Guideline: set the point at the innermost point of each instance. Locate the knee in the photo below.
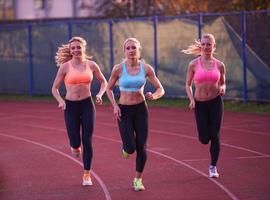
(130, 150)
(204, 140)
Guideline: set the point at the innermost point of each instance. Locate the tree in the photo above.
(137, 8)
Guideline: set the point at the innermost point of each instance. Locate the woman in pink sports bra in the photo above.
(76, 70)
(208, 75)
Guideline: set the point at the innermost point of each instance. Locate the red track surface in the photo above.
(35, 162)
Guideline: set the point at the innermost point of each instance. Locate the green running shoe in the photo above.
(125, 154)
(138, 185)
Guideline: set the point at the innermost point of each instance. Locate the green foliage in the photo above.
(229, 105)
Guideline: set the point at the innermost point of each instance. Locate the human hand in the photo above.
(98, 100)
(62, 105)
(222, 91)
(117, 112)
(192, 104)
(149, 96)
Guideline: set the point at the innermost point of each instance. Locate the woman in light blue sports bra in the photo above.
(131, 110)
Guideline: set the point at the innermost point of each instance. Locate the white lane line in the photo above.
(222, 127)
(168, 157)
(230, 158)
(224, 144)
(101, 183)
(222, 187)
(152, 130)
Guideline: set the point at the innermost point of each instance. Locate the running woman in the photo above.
(208, 75)
(76, 70)
(131, 111)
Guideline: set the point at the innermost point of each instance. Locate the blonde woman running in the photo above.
(77, 72)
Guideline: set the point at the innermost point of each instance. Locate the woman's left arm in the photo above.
(150, 74)
(103, 83)
(222, 81)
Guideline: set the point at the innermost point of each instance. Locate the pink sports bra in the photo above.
(206, 76)
(74, 76)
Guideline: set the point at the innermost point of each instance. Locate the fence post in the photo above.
(244, 56)
(111, 43)
(155, 21)
(74, 9)
(200, 25)
(69, 30)
(30, 60)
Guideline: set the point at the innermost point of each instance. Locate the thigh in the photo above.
(72, 121)
(126, 127)
(216, 115)
(141, 126)
(202, 121)
(88, 118)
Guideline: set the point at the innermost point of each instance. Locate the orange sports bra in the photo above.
(74, 77)
(203, 75)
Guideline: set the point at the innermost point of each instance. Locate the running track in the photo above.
(35, 162)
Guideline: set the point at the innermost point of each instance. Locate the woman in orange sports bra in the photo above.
(76, 70)
(208, 75)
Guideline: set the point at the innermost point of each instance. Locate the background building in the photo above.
(40, 9)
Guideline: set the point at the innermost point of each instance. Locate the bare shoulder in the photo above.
(93, 65)
(63, 68)
(220, 65)
(117, 69)
(192, 64)
(148, 68)
(194, 61)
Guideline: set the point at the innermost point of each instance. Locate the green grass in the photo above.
(229, 105)
(234, 106)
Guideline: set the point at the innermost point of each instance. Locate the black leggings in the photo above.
(81, 115)
(208, 117)
(133, 128)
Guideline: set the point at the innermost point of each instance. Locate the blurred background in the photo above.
(32, 30)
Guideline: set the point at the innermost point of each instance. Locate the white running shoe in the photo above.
(213, 173)
(87, 180)
(76, 152)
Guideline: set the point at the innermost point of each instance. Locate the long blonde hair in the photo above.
(195, 49)
(63, 53)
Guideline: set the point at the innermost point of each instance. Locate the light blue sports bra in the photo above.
(132, 83)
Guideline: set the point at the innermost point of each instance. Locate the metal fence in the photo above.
(27, 50)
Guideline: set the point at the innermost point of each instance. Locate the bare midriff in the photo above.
(131, 98)
(206, 91)
(78, 92)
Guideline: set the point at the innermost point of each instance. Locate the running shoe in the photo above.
(125, 154)
(87, 180)
(213, 173)
(76, 152)
(138, 185)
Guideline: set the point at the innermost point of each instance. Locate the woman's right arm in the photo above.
(56, 85)
(109, 90)
(189, 80)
